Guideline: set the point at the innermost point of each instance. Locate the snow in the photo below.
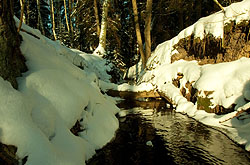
(99, 51)
(212, 24)
(227, 80)
(126, 87)
(52, 96)
(228, 83)
(55, 93)
(149, 143)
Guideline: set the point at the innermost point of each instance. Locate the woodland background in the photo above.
(77, 23)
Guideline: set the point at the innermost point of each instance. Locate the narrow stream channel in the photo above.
(158, 135)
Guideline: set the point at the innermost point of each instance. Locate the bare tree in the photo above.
(138, 33)
(28, 12)
(40, 22)
(104, 24)
(147, 31)
(70, 17)
(97, 18)
(66, 15)
(52, 14)
(71, 35)
(21, 16)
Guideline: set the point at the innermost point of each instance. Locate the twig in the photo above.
(236, 115)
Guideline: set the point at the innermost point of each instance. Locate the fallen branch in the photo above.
(30, 34)
(236, 115)
(133, 95)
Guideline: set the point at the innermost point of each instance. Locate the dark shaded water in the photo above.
(176, 139)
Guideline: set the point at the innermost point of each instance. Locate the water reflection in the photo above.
(176, 139)
(191, 142)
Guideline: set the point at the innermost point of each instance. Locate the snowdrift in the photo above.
(53, 95)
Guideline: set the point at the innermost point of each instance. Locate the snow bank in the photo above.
(126, 87)
(212, 24)
(229, 83)
(90, 62)
(52, 96)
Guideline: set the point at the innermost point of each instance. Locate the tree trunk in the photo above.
(52, 14)
(138, 33)
(22, 4)
(70, 18)
(40, 21)
(21, 15)
(147, 30)
(66, 15)
(97, 18)
(71, 24)
(104, 24)
(12, 63)
(180, 11)
(58, 20)
(28, 12)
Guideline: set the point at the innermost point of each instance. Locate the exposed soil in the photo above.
(210, 50)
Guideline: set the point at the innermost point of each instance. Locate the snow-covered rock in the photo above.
(53, 95)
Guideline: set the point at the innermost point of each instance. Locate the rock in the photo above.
(209, 50)
(8, 154)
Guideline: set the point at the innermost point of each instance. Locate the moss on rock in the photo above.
(204, 104)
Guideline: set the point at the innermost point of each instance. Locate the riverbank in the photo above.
(160, 136)
(202, 78)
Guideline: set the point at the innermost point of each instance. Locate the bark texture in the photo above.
(147, 30)
(97, 18)
(40, 21)
(12, 63)
(138, 33)
(71, 35)
(21, 15)
(66, 15)
(104, 25)
(52, 13)
(133, 95)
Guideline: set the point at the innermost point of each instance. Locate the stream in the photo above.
(151, 133)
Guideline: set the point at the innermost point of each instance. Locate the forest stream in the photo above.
(155, 134)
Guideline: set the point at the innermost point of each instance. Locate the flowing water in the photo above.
(160, 136)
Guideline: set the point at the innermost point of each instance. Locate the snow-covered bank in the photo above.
(53, 95)
(225, 84)
(126, 87)
(229, 86)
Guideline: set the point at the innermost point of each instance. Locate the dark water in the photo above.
(176, 139)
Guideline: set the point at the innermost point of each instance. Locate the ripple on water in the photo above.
(176, 139)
